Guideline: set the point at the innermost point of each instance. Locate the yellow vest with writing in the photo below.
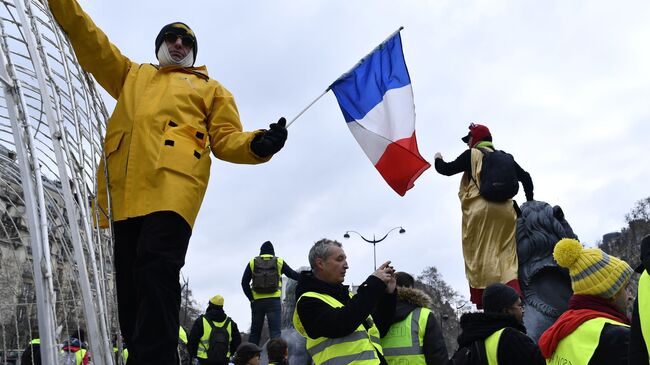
(578, 347)
(358, 348)
(403, 344)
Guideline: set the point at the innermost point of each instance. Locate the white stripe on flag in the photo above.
(389, 121)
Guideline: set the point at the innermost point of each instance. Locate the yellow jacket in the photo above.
(165, 123)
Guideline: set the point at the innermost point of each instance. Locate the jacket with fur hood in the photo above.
(408, 299)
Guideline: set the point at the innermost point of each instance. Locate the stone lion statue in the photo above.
(546, 286)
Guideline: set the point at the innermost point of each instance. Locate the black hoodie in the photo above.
(321, 320)
(514, 348)
(213, 313)
(408, 299)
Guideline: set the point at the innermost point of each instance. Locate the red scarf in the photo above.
(581, 309)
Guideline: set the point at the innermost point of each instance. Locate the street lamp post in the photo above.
(374, 241)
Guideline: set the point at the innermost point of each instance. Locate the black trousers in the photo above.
(149, 254)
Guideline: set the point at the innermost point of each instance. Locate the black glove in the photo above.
(529, 197)
(271, 140)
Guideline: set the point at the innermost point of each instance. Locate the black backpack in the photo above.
(218, 343)
(499, 180)
(265, 275)
(472, 354)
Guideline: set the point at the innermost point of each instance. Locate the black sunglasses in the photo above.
(185, 39)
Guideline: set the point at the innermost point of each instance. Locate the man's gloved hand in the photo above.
(271, 140)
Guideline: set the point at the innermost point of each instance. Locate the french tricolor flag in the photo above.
(376, 99)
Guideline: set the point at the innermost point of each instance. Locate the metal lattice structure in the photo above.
(55, 265)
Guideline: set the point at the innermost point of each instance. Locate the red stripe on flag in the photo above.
(401, 164)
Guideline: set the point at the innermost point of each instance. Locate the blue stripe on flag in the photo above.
(361, 89)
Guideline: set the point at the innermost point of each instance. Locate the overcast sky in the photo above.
(563, 86)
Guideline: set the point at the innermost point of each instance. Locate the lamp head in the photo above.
(402, 230)
(346, 235)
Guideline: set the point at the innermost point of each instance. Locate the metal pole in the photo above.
(374, 250)
(308, 106)
(374, 255)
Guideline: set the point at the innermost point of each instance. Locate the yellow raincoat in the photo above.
(489, 246)
(166, 121)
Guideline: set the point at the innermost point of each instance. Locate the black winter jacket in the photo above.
(213, 313)
(321, 320)
(515, 347)
(408, 299)
(463, 163)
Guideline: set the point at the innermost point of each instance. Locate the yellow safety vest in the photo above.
(644, 308)
(79, 355)
(580, 345)
(204, 344)
(125, 353)
(182, 335)
(278, 292)
(492, 347)
(403, 344)
(358, 348)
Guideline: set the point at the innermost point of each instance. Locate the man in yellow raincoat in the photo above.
(167, 119)
(489, 246)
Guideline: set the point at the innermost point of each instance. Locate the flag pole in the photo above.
(350, 70)
(308, 106)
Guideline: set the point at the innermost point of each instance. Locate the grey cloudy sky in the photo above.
(564, 86)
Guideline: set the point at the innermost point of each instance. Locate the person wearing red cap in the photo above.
(489, 247)
(168, 119)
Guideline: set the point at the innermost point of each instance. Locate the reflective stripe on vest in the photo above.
(580, 345)
(278, 292)
(359, 347)
(36, 341)
(644, 308)
(492, 346)
(404, 340)
(204, 343)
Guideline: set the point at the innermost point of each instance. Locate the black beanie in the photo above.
(267, 248)
(179, 29)
(497, 297)
(645, 254)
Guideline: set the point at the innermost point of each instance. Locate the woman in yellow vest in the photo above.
(595, 329)
(338, 326)
(640, 329)
(498, 335)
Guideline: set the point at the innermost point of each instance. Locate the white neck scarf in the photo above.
(166, 59)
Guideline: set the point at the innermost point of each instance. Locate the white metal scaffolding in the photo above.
(51, 254)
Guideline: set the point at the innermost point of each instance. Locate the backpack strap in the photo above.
(483, 150)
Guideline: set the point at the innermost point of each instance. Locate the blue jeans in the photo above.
(272, 308)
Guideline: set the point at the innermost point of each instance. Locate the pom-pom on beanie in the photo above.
(592, 271)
